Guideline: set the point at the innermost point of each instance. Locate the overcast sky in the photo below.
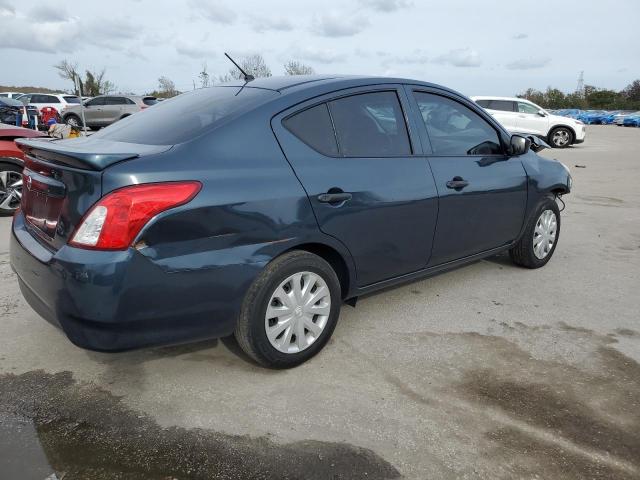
(475, 46)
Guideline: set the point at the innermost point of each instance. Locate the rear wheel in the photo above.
(290, 310)
(560, 137)
(540, 238)
(10, 188)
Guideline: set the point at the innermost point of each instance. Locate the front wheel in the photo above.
(73, 121)
(560, 137)
(290, 310)
(539, 241)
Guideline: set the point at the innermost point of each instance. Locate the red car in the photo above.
(11, 163)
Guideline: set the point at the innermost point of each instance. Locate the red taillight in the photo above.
(115, 221)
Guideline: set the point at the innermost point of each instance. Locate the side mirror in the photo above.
(542, 113)
(519, 145)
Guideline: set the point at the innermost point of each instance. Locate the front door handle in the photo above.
(334, 198)
(457, 183)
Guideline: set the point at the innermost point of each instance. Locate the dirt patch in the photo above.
(86, 432)
(576, 419)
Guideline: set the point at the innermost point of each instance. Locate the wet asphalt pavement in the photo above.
(490, 371)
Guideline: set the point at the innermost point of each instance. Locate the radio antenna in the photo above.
(247, 77)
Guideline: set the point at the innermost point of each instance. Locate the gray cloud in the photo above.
(312, 54)
(46, 38)
(528, 63)
(262, 24)
(417, 57)
(334, 25)
(213, 11)
(194, 51)
(461, 57)
(520, 36)
(6, 9)
(386, 5)
(48, 13)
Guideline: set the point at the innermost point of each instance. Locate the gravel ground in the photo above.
(490, 371)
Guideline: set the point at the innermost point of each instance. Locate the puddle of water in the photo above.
(80, 431)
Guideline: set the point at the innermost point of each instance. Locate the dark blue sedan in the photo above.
(257, 209)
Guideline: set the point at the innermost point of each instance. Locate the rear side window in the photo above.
(455, 129)
(370, 125)
(72, 99)
(501, 105)
(186, 116)
(313, 127)
(45, 99)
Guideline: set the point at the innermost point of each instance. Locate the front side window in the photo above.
(95, 102)
(313, 127)
(370, 125)
(455, 129)
(114, 101)
(527, 108)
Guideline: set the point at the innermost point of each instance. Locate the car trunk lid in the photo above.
(63, 179)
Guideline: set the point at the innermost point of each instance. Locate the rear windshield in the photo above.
(186, 116)
(71, 99)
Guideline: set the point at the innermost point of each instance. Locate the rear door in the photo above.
(504, 111)
(366, 184)
(482, 191)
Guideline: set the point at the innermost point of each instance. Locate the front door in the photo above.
(366, 186)
(530, 120)
(482, 191)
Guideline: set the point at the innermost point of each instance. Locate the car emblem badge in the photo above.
(28, 182)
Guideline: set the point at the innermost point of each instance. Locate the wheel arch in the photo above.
(562, 125)
(334, 258)
(12, 161)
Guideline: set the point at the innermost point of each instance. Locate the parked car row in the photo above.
(601, 117)
(104, 110)
(523, 116)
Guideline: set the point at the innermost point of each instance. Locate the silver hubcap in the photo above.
(298, 312)
(544, 235)
(10, 190)
(561, 137)
(73, 122)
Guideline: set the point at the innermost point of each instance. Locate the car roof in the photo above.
(491, 97)
(324, 83)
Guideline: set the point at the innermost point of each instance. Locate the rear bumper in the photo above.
(114, 301)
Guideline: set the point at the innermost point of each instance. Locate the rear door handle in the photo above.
(334, 197)
(457, 183)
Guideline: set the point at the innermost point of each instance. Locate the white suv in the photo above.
(520, 115)
(58, 101)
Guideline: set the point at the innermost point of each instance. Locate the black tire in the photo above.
(556, 137)
(250, 331)
(522, 253)
(15, 171)
(73, 120)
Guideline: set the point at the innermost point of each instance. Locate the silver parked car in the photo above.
(103, 110)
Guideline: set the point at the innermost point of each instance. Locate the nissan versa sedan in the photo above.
(257, 209)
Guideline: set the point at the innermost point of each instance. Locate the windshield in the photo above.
(186, 116)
